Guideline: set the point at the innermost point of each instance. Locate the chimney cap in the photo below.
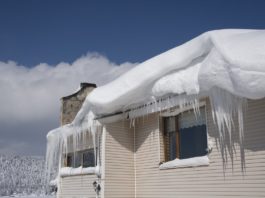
(82, 86)
(85, 84)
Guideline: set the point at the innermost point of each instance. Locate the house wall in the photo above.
(131, 166)
(118, 177)
(78, 186)
(216, 180)
(119, 174)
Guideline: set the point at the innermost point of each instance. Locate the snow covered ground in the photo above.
(20, 175)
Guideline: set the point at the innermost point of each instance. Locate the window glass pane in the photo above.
(193, 135)
(77, 157)
(193, 142)
(88, 158)
(69, 160)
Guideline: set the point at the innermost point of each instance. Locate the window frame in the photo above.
(176, 112)
(166, 135)
(73, 155)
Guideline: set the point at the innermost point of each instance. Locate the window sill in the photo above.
(69, 171)
(190, 162)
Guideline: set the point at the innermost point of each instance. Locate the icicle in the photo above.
(132, 122)
(158, 139)
(156, 105)
(225, 107)
(72, 138)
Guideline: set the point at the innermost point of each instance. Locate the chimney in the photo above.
(70, 105)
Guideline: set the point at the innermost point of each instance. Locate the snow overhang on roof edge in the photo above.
(232, 60)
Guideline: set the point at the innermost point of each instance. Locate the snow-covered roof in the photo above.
(225, 65)
(231, 59)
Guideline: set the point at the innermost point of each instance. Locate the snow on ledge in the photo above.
(69, 171)
(190, 162)
(54, 182)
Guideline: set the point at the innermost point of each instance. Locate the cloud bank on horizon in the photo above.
(29, 102)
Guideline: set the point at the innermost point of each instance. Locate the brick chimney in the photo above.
(70, 105)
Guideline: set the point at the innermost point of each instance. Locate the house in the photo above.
(186, 123)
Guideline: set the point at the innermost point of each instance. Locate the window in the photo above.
(80, 158)
(185, 135)
(69, 160)
(88, 158)
(77, 159)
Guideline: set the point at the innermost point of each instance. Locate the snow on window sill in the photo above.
(190, 162)
(69, 171)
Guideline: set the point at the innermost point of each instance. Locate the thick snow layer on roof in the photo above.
(232, 59)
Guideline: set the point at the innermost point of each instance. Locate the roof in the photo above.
(230, 59)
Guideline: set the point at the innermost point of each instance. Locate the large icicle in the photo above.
(71, 138)
(226, 107)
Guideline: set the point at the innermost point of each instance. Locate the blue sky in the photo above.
(48, 47)
(34, 31)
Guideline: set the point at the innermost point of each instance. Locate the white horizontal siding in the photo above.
(215, 180)
(77, 187)
(119, 161)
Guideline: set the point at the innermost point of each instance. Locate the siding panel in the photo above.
(216, 180)
(119, 161)
(77, 187)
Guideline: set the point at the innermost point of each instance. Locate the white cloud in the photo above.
(29, 99)
(29, 94)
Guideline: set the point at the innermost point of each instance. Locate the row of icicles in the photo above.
(72, 137)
